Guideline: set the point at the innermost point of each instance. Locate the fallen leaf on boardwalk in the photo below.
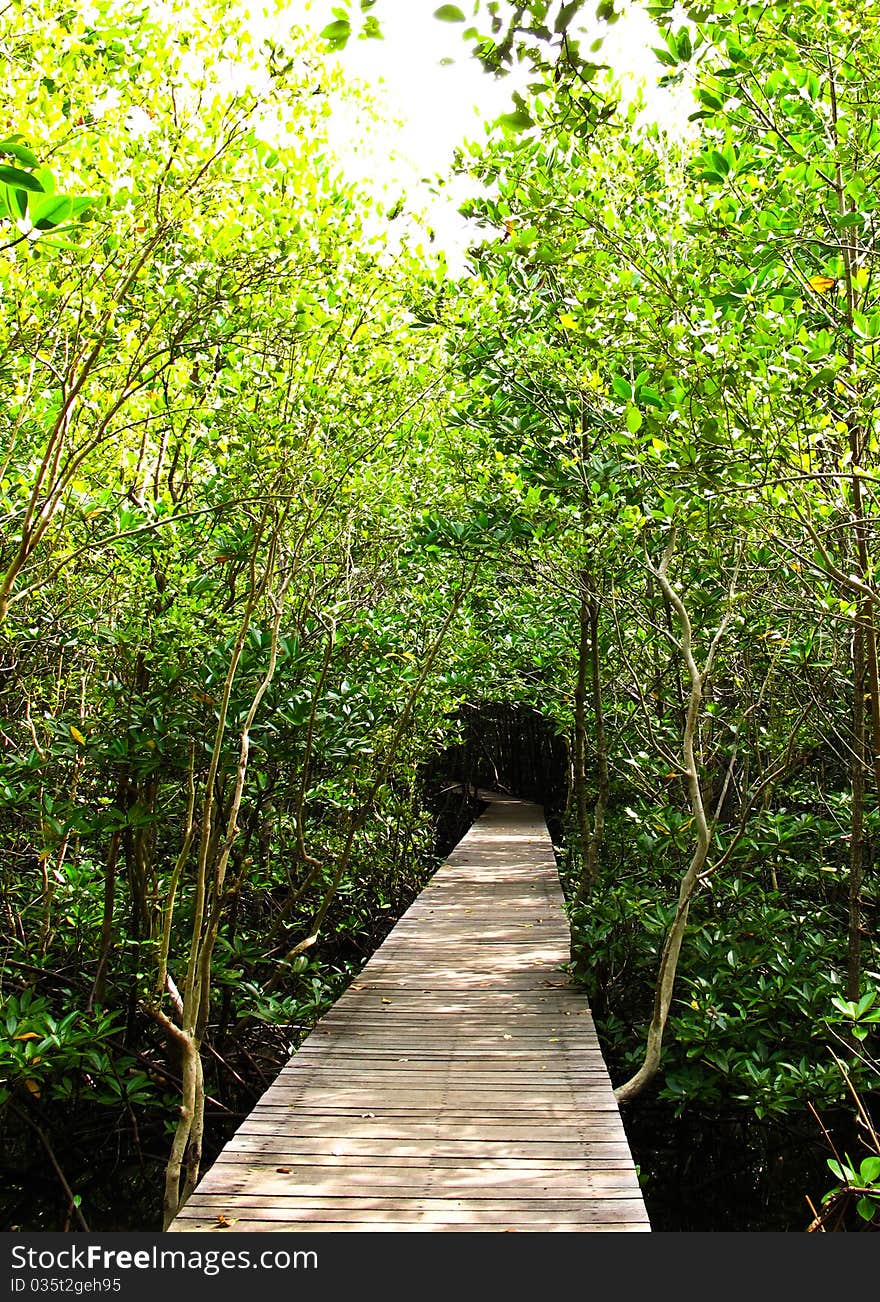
(554, 1039)
(283, 1170)
(224, 1221)
(386, 1001)
(507, 1037)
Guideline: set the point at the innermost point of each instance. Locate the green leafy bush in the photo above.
(751, 1021)
(65, 1058)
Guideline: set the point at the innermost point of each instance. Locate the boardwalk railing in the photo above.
(456, 1085)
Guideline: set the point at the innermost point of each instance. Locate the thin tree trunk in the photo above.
(580, 738)
(105, 944)
(857, 819)
(593, 829)
(675, 933)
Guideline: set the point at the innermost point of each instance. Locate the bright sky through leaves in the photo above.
(432, 94)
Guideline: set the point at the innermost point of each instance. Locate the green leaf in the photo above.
(21, 180)
(825, 376)
(21, 152)
(13, 201)
(622, 387)
(869, 1171)
(55, 209)
(866, 1002)
(634, 420)
(842, 1172)
(565, 15)
(650, 397)
(449, 14)
(519, 121)
(867, 1208)
(46, 179)
(337, 33)
(671, 45)
(862, 326)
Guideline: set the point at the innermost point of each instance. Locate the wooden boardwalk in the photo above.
(456, 1085)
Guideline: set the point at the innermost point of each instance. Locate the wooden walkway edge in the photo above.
(457, 1085)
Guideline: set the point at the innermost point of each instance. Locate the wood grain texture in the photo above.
(457, 1084)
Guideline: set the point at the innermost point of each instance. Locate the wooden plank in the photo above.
(551, 1048)
(469, 1070)
(350, 1182)
(466, 1074)
(457, 1084)
(283, 1122)
(472, 1025)
(476, 1156)
(462, 1212)
(385, 1226)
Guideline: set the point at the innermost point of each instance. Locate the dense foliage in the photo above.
(279, 496)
